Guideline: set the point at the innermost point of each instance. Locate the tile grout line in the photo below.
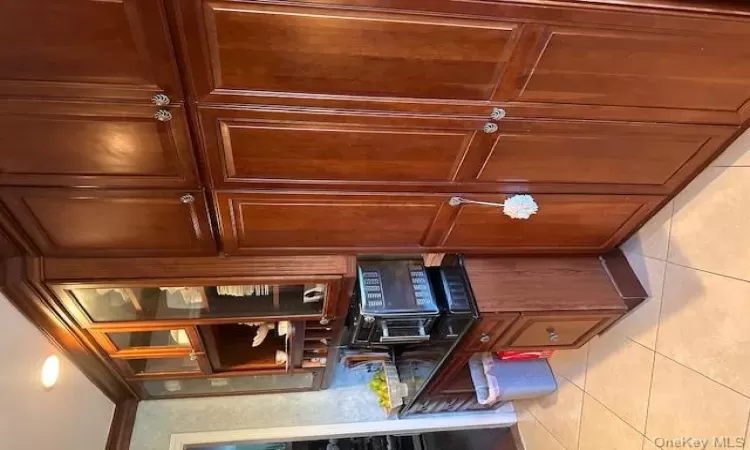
(614, 414)
(707, 271)
(539, 422)
(703, 375)
(658, 320)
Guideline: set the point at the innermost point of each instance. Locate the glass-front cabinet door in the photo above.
(131, 304)
(172, 340)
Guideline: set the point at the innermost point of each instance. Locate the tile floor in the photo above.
(679, 366)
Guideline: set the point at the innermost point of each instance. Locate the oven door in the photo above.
(403, 330)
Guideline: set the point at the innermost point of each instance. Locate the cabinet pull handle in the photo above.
(324, 321)
(187, 198)
(490, 128)
(497, 113)
(193, 356)
(163, 115)
(485, 338)
(516, 206)
(553, 336)
(160, 99)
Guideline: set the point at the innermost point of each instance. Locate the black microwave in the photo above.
(404, 302)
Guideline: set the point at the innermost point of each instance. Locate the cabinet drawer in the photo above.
(556, 330)
(89, 222)
(483, 336)
(94, 144)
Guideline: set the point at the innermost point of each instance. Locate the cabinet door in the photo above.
(264, 146)
(680, 72)
(250, 48)
(86, 222)
(77, 144)
(563, 223)
(252, 222)
(110, 49)
(661, 156)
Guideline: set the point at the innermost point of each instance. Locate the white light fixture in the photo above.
(50, 371)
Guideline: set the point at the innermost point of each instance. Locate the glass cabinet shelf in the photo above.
(124, 304)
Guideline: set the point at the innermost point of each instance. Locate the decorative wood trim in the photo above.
(90, 270)
(123, 421)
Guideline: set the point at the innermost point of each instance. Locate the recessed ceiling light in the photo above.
(50, 371)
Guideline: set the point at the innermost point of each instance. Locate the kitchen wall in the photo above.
(74, 415)
(679, 366)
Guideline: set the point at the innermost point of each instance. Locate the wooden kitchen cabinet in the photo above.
(259, 221)
(540, 303)
(314, 51)
(263, 146)
(256, 222)
(99, 222)
(87, 49)
(95, 144)
(614, 63)
(586, 153)
(200, 338)
(564, 223)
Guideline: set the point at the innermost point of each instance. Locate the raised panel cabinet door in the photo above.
(262, 146)
(87, 48)
(563, 223)
(88, 222)
(680, 72)
(94, 144)
(247, 48)
(258, 222)
(658, 156)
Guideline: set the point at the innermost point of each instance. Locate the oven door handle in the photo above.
(421, 337)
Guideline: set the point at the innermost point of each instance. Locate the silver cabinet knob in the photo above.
(324, 321)
(490, 128)
(160, 100)
(187, 198)
(193, 357)
(497, 113)
(485, 338)
(163, 115)
(553, 336)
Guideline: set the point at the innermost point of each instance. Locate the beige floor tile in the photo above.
(601, 429)
(653, 237)
(704, 325)
(686, 404)
(619, 376)
(709, 226)
(571, 364)
(560, 412)
(534, 436)
(737, 154)
(641, 325)
(746, 441)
